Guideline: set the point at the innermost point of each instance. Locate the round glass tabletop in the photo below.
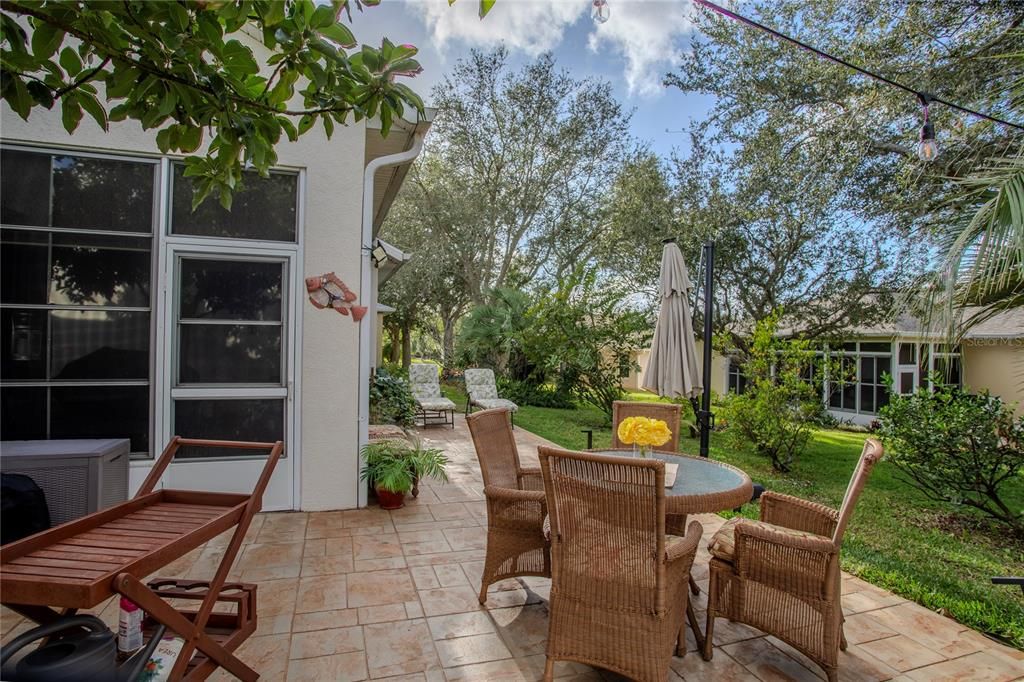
(701, 485)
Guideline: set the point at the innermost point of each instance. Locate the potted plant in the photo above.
(426, 463)
(392, 467)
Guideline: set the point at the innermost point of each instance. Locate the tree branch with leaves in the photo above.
(183, 68)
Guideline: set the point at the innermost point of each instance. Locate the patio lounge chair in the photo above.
(432, 406)
(618, 581)
(515, 503)
(482, 392)
(781, 574)
(675, 524)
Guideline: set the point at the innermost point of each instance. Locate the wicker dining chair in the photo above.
(516, 545)
(667, 412)
(671, 414)
(618, 584)
(781, 574)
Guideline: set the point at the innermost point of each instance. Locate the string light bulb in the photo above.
(927, 148)
(601, 12)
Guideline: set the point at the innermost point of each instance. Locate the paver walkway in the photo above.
(367, 593)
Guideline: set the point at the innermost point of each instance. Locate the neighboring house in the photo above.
(125, 314)
(991, 357)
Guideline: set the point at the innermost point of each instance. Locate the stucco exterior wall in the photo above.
(330, 342)
(996, 365)
(326, 395)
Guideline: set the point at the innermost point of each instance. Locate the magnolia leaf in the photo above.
(485, 7)
(225, 198)
(323, 16)
(275, 12)
(306, 122)
(340, 34)
(70, 61)
(178, 14)
(93, 107)
(238, 58)
(17, 95)
(289, 128)
(70, 112)
(46, 38)
(191, 138)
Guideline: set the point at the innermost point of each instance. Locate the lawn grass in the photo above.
(899, 540)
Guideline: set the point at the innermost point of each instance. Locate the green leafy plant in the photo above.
(395, 465)
(427, 462)
(391, 400)
(777, 411)
(581, 333)
(957, 447)
(530, 393)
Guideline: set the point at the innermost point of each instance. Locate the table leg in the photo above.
(162, 612)
(691, 616)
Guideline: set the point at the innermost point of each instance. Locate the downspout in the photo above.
(368, 324)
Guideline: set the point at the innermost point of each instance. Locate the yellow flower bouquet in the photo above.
(644, 433)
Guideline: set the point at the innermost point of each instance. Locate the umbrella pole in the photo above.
(705, 419)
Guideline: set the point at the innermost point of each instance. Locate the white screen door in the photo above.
(229, 368)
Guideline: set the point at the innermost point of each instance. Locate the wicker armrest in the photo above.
(520, 510)
(797, 514)
(798, 564)
(684, 546)
(513, 495)
(531, 479)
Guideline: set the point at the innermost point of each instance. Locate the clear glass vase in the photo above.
(641, 451)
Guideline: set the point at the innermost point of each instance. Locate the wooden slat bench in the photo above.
(79, 564)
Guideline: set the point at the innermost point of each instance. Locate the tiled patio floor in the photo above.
(366, 593)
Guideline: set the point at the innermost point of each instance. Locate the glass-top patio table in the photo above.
(702, 485)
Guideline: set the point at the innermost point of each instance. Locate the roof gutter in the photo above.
(369, 296)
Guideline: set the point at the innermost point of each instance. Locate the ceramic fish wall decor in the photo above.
(328, 291)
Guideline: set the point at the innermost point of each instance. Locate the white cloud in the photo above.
(531, 26)
(647, 35)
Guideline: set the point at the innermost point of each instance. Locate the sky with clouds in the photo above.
(643, 40)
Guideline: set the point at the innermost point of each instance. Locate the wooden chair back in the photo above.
(869, 456)
(666, 412)
(607, 518)
(495, 447)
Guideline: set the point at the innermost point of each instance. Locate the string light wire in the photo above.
(838, 60)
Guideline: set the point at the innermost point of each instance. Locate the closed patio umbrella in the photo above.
(673, 371)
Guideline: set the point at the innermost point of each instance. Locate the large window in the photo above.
(266, 209)
(75, 296)
(873, 393)
(737, 380)
(860, 384)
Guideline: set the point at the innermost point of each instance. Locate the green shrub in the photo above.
(526, 393)
(777, 411)
(958, 448)
(394, 369)
(391, 400)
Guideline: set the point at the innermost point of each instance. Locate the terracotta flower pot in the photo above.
(390, 500)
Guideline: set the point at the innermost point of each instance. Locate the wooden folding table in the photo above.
(79, 564)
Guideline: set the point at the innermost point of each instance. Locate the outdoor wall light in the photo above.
(378, 255)
(927, 148)
(601, 12)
